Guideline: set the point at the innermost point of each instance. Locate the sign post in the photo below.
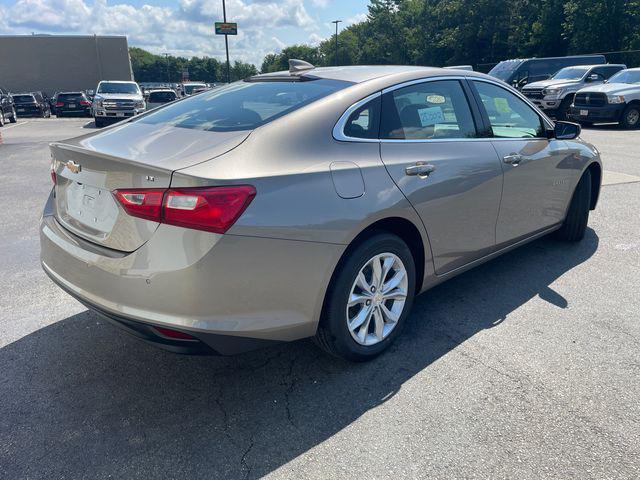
(226, 29)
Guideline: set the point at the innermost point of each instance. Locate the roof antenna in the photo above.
(298, 66)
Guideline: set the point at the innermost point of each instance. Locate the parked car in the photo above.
(555, 95)
(519, 72)
(160, 97)
(72, 104)
(232, 220)
(618, 100)
(7, 108)
(31, 104)
(189, 87)
(116, 100)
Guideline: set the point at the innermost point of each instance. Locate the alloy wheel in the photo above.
(633, 117)
(377, 299)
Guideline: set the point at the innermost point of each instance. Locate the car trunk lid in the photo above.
(89, 168)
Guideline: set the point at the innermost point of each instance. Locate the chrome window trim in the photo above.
(338, 129)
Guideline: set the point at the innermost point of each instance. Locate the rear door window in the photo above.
(425, 111)
(23, 99)
(243, 105)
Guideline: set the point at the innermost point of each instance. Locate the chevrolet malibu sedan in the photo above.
(315, 202)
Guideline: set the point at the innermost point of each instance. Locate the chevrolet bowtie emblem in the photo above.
(73, 166)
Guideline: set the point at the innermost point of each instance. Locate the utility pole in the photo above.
(166, 56)
(226, 41)
(336, 22)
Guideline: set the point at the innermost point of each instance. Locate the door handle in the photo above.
(513, 159)
(420, 169)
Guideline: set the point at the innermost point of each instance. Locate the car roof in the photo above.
(117, 81)
(363, 73)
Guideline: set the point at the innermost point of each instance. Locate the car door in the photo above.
(429, 144)
(537, 180)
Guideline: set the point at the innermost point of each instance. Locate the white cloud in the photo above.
(185, 30)
(360, 17)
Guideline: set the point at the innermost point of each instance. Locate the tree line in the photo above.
(475, 32)
(440, 33)
(148, 67)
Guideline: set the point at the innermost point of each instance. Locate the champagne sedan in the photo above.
(314, 202)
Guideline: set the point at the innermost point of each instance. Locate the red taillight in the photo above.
(213, 209)
(59, 104)
(85, 103)
(168, 332)
(140, 202)
(53, 176)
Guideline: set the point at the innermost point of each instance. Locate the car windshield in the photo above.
(118, 88)
(23, 98)
(504, 69)
(626, 76)
(243, 105)
(570, 73)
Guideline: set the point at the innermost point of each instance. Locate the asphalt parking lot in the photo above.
(526, 367)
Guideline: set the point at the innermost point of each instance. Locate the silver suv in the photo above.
(555, 95)
(115, 101)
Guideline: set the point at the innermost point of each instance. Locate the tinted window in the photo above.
(365, 121)
(162, 97)
(510, 116)
(118, 88)
(429, 110)
(505, 69)
(23, 99)
(606, 72)
(243, 105)
(189, 89)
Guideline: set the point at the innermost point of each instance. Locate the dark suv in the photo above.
(32, 103)
(72, 103)
(7, 109)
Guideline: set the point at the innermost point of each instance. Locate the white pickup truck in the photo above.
(115, 101)
(618, 100)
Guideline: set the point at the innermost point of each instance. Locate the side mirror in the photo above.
(566, 130)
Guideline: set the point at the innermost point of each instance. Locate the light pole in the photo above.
(166, 56)
(226, 41)
(337, 22)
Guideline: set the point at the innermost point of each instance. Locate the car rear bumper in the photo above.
(606, 113)
(213, 287)
(28, 110)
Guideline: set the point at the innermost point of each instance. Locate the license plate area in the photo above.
(584, 113)
(91, 207)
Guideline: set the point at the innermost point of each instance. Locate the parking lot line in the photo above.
(6, 127)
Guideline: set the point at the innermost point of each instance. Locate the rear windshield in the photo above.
(23, 98)
(118, 88)
(243, 105)
(71, 96)
(188, 89)
(161, 97)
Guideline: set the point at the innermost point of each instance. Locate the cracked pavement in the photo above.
(526, 367)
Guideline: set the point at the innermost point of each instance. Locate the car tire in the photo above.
(575, 223)
(631, 117)
(99, 122)
(334, 334)
(14, 116)
(563, 109)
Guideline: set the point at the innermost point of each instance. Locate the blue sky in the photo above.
(185, 27)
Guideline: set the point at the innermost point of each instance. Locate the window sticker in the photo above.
(430, 116)
(502, 105)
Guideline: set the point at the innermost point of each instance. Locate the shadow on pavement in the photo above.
(80, 398)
